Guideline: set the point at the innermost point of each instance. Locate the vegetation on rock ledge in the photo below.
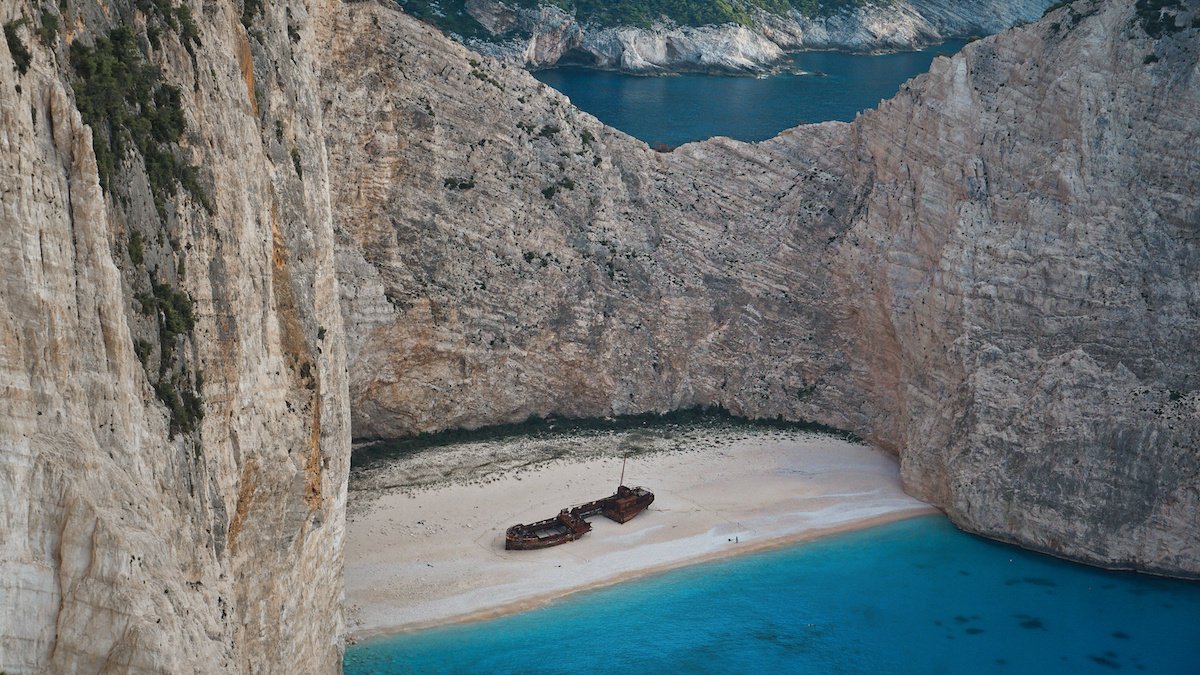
(174, 313)
(134, 115)
(21, 56)
(128, 107)
(1158, 17)
(48, 31)
(644, 13)
(452, 17)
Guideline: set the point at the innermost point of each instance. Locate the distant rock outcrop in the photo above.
(546, 35)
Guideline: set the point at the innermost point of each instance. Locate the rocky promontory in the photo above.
(750, 40)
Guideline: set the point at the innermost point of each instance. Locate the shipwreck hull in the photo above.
(623, 507)
(571, 524)
(546, 533)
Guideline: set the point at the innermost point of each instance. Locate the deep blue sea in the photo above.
(682, 108)
(917, 596)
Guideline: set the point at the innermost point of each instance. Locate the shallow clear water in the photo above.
(916, 596)
(682, 108)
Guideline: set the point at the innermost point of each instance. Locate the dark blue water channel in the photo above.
(917, 596)
(681, 108)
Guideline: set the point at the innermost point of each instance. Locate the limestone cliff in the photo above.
(174, 432)
(546, 35)
(993, 275)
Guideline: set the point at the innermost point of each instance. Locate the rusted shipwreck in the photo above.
(571, 524)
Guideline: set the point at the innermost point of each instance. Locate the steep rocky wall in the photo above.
(502, 254)
(993, 275)
(1034, 230)
(135, 536)
(547, 35)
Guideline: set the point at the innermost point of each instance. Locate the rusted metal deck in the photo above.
(571, 524)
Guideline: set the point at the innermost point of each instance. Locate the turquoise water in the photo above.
(916, 596)
(683, 108)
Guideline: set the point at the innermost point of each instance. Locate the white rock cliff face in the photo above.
(993, 275)
(547, 35)
(124, 547)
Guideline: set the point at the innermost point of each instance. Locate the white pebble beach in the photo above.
(424, 555)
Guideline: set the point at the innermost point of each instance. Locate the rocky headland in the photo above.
(543, 35)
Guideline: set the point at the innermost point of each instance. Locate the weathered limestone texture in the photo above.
(134, 538)
(546, 35)
(993, 275)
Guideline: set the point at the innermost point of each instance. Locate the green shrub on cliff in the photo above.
(1055, 6)
(1158, 16)
(297, 164)
(250, 9)
(455, 183)
(449, 15)
(129, 108)
(644, 13)
(452, 17)
(137, 248)
(186, 408)
(48, 31)
(175, 315)
(21, 56)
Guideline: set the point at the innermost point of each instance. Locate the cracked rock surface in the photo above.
(133, 539)
(993, 275)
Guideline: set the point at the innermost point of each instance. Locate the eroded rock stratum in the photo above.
(993, 275)
(174, 428)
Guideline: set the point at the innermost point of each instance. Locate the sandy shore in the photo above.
(434, 554)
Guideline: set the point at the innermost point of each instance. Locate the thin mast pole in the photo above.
(623, 459)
